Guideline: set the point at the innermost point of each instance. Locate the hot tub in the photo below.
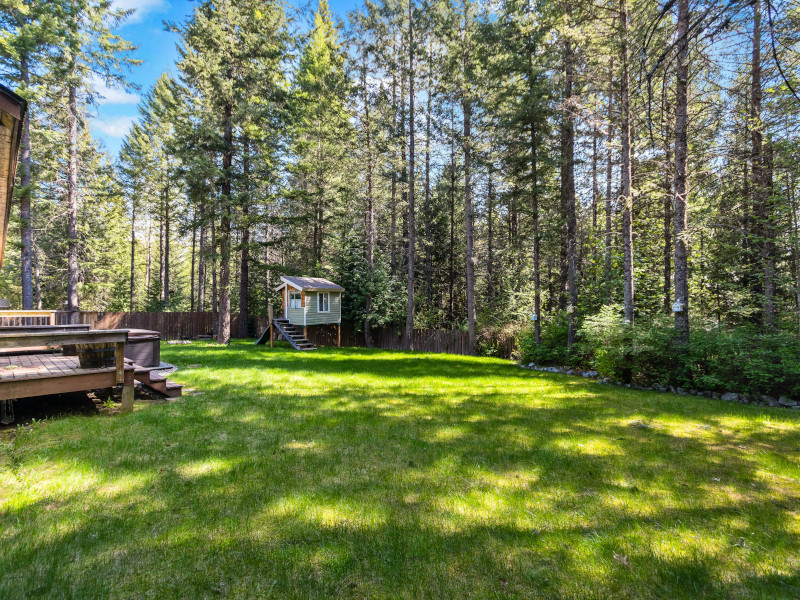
(144, 347)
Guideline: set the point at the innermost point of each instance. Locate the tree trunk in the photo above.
(761, 190)
(594, 182)
(224, 324)
(667, 215)
(37, 280)
(393, 206)
(72, 207)
(537, 286)
(244, 271)
(161, 247)
(370, 216)
(201, 263)
(679, 217)
(667, 183)
(214, 290)
(795, 245)
(166, 294)
(408, 341)
(194, 261)
(769, 245)
(26, 238)
(133, 254)
(627, 179)
(568, 192)
(609, 184)
(427, 208)
(452, 256)
(490, 274)
(469, 221)
(148, 266)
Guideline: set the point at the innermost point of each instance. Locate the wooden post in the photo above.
(127, 392)
(339, 335)
(305, 332)
(119, 356)
(269, 318)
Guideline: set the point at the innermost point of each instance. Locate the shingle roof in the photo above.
(312, 283)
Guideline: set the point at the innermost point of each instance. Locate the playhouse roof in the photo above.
(310, 284)
(12, 114)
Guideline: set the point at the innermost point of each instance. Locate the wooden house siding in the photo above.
(317, 318)
(296, 316)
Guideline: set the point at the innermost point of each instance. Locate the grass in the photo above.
(370, 474)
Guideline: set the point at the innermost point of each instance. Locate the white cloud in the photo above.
(107, 95)
(142, 7)
(115, 127)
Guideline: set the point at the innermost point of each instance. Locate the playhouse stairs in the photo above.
(293, 334)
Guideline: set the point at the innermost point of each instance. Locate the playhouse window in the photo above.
(323, 302)
(294, 300)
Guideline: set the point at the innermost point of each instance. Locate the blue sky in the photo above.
(156, 48)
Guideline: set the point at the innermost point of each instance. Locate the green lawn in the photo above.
(370, 474)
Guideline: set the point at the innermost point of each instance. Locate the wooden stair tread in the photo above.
(293, 334)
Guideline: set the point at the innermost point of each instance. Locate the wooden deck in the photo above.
(39, 374)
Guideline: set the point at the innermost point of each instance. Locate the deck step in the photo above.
(158, 383)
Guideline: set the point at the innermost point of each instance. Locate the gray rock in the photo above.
(680, 391)
(715, 395)
(769, 400)
(784, 401)
(531, 365)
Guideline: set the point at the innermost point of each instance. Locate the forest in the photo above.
(614, 181)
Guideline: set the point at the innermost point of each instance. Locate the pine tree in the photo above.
(88, 48)
(229, 49)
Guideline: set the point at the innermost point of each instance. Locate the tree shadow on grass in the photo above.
(318, 488)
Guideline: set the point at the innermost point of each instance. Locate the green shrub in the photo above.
(553, 349)
(639, 354)
(743, 360)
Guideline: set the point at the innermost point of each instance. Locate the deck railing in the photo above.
(18, 318)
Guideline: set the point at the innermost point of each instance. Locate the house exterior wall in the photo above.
(317, 318)
(295, 316)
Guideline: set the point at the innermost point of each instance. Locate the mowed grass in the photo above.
(371, 474)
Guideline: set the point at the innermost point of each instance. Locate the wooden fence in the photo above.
(190, 325)
(391, 338)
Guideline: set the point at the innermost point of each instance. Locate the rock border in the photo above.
(760, 400)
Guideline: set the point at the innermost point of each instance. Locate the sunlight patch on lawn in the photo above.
(128, 484)
(588, 446)
(328, 513)
(199, 468)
